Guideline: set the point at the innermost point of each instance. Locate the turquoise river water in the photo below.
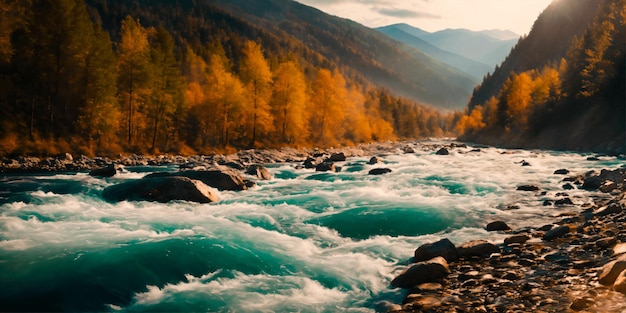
(303, 241)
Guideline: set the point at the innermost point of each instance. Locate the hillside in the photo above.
(101, 77)
(411, 36)
(547, 42)
(562, 87)
(287, 27)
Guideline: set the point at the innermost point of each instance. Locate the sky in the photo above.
(433, 15)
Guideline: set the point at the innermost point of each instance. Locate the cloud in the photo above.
(404, 13)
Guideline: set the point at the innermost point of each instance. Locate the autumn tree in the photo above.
(99, 114)
(257, 77)
(327, 100)
(167, 85)
(134, 71)
(224, 102)
(289, 103)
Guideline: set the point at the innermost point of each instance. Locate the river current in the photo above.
(303, 241)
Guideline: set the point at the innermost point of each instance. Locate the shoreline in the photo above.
(69, 163)
(573, 264)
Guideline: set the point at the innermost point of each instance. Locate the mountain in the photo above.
(288, 27)
(500, 34)
(562, 87)
(548, 41)
(411, 36)
(477, 46)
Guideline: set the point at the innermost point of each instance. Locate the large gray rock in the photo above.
(422, 272)
(105, 171)
(160, 189)
(443, 248)
(220, 179)
(259, 171)
(479, 248)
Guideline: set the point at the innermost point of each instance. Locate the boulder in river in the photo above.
(422, 272)
(219, 179)
(497, 226)
(528, 188)
(161, 189)
(326, 167)
(561, 171)
(443, 248)
(374, 160)
(443, 151)
(379, 171)
(105, 171)
(259, 171)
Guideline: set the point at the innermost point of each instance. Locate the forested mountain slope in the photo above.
(288, 27)
(548, 42)
(562, 87)
(198, 76)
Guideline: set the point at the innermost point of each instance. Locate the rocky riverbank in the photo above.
(575, 264)
(240, 160)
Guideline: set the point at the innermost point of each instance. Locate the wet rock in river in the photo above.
(161, 189)
(497, 226)
(259, 171)
(443, 248)
(528, 188)
(221, 179)
(379, 171)
(422, 272)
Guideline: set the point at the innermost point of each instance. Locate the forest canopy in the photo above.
(72, 80)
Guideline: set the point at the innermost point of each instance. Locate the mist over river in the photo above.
(304, 241)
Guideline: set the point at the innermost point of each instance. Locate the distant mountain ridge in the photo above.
(473, 52)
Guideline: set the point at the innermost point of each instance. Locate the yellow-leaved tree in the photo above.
(288, 103)
(327, 112)
(134, 74)
(256, 75)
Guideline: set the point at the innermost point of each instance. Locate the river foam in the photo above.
(304, 241)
